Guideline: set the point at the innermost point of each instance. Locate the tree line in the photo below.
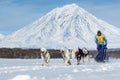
(35, 53)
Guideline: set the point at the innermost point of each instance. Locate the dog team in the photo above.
(68, 55)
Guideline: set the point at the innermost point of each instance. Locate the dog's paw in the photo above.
(78, 63)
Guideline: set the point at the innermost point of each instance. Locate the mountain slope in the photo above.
(69, 26)
(1, 36)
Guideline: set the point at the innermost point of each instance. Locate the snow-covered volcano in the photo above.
(1, 36)
(68, 26)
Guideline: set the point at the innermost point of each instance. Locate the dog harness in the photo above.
(44, 53)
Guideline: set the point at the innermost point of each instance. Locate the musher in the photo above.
(101, 42)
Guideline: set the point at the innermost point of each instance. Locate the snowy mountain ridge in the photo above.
(68, 26)
(1, 36)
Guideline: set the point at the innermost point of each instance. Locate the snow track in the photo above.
(31, 69)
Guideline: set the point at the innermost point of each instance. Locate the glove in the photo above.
(105, 46)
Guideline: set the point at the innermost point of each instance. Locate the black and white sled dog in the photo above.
(83, 55)
(68, 55)
(45, 56)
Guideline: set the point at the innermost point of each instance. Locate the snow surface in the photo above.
(68, 26)
(31, 69)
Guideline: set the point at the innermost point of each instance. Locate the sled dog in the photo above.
(67, 55)
(83, 55)
(45, 56)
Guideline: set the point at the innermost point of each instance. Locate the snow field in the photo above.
(31, 69)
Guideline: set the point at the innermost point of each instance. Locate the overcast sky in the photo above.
(15, 14)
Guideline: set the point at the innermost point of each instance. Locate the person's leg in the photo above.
(100, 55)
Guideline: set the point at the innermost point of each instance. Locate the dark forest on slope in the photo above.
(35, 53)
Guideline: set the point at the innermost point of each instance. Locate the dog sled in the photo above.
(102, 55)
